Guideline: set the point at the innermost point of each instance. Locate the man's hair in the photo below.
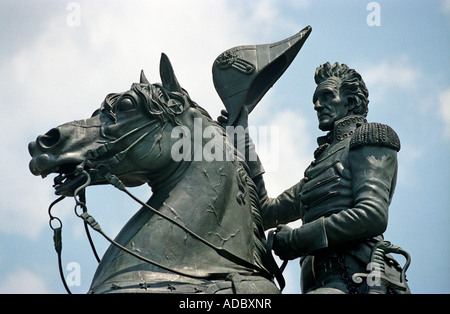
(349, 83)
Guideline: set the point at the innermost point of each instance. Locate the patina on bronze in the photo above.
(344, 197)
(202, 231)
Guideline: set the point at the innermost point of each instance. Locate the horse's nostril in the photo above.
(32, 148)
(49, 139)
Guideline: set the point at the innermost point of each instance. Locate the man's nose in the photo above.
(317, 105)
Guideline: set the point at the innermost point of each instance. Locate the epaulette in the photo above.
(375, 134)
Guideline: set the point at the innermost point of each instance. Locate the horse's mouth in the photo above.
(69, 179)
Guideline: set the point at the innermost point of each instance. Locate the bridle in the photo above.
(104, 170)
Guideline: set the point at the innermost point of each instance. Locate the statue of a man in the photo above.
(344, 196)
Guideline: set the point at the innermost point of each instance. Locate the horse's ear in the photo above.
(143, 79)
(167, 74)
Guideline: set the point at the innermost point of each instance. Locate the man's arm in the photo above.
(280, 210)
(374, 171)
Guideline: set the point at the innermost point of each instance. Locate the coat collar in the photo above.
(343, 129)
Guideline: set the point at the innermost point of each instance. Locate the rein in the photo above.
(57, 240)
(103, 170)
(89, 220)
(109, 147)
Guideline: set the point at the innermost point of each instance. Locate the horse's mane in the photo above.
(260, 253)
(156, 100)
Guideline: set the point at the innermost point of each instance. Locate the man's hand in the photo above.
(223, 118)
(242, 119)
(282, 243)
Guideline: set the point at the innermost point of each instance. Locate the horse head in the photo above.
(124, 137)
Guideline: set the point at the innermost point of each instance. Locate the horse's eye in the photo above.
(126, 104)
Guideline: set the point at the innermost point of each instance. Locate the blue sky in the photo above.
(54, 68)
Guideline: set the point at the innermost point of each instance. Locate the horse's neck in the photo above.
(209, 192)
(209, 199)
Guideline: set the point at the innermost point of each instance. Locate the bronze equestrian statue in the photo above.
(202, 230)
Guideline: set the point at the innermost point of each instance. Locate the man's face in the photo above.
(329, 105)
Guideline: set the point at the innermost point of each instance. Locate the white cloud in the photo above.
(444, 110)
(299, 4)
(23, 281)
(389, 73)
(292, 147)
(288, 151)
(411, 154)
